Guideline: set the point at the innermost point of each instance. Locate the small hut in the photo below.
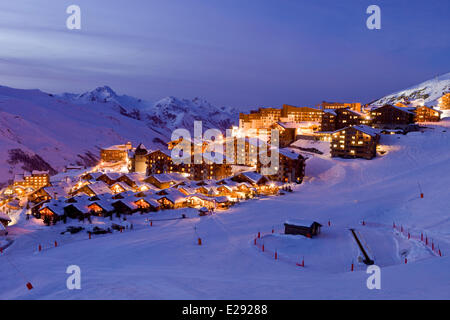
(307, 228)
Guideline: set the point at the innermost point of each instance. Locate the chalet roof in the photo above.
(111, 175)
(331, 111)
(129, 202)
(363, 128)
(123, 185)
(367, 130)
(173, 195)
(120, 147)
(56, 206)
(429, 107)
(99, 187)
(105, 204)
(55, 190)
(134, 176)
(151, 200)
(221, 199)
(201, 196)
(289, 153)
(395, 107)
(253, 176)
(94, 175)
(301, 222)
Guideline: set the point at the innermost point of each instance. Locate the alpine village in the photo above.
(130, 179)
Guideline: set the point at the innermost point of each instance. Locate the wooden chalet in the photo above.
(147, 204)
(427, 114)
(355, 142)
(171, 199)
(307, 228)
(389, 116)
(109, 178)
(96, 188)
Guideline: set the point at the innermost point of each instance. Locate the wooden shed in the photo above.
(307, 228)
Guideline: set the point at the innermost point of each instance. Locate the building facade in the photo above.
(355, 142)
(116, 153)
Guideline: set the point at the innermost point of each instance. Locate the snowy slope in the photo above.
(40, 131)
(45, 131)
(165, 262)
(428, 92)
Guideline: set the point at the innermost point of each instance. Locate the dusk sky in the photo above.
(230, 52)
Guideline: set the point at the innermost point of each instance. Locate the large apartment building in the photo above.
(291, 167)
(34, 180)
(341, 105)
(389, 116)
(355, 142)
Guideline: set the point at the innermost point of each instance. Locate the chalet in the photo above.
(116, 153)
(126, 205)
(52, 211)
(444, 102)
(109, 178)
(119, 187)
(171, 199)
(355, 142)
(4, 219)
(307, 228)
(91, 176)
(328, 122)
(222, 202)
(94, 189)
(133, 179)
(427, 114)
(160, 162)
(389, 116)
(349, 117)
(252, 177)
(161, 181)
(288, 132)
(200, 200)
(101, 208)
(47, 193)
(292, 167)
(147, 204)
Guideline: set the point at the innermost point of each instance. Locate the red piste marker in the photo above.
(29, 286)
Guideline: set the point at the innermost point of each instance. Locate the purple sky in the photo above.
(231, 52)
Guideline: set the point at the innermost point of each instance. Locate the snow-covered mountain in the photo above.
(427, 92)
(164, 115)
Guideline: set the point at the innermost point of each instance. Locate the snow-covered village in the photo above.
(176, 198)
